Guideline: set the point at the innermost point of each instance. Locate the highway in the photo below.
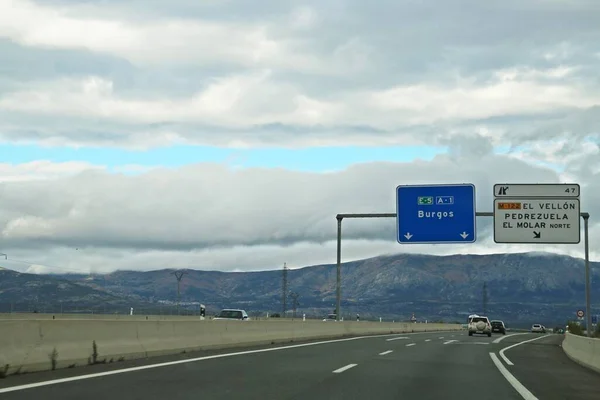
(420, 366)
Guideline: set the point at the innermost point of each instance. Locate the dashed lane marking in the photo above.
(189, 360)
(345, 368)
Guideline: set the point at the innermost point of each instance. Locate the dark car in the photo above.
(498, 326)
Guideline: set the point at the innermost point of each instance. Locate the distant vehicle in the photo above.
(538, 328)
(469, 318)
(498, 326)
(331, 317)
(481, 325)
(558, 329)
(233, 314)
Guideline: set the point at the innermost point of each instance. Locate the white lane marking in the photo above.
(386, 352)
(504, 337)
(428, 340)
(506, 360)
(190, 360)
(347, 367)
(525, 394)
(450, 341)
(441, 337)
(396, 338)
(410, 344)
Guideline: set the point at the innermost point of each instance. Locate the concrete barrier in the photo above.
(27, 345)
(582, 350)
(120, 317)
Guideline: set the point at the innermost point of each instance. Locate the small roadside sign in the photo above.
(580, 313)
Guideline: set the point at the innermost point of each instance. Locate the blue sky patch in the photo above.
(309, 159)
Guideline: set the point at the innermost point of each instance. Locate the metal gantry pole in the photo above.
(338, 287)
(588, 308)
(340, 218)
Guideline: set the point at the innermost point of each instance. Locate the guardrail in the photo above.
(583, 350)
(34, 345)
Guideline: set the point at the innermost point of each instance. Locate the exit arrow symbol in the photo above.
(408, 236)
(536, 235)
(464, 235)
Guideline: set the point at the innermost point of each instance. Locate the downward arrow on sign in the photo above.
(408, 236)
(464, 235)
(536, 235)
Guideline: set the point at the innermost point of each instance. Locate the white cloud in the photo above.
(304, 18)
(142, 74)
(190, 72)
(209, 216)
(510, 96)
(235, 101)
(162, 41)
(243, 101)
(43, 170)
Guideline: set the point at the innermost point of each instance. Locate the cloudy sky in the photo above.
(227, 134)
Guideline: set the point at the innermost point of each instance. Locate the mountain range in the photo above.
(520, 288)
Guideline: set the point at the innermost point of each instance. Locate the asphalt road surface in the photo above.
(417, 366)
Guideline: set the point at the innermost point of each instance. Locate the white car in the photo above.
(233, 314)
(537, 328)
(480, 324)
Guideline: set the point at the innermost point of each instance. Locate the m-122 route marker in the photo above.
(436, 213)
(537, 213)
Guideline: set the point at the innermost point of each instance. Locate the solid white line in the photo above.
(450, 341)
(428, 340)
(347, 367)
(525, 394)
(410, 344)
(441, 337)
(396, 338)
(504, 337)
(166, 364)
(506, 360)
(386, 352)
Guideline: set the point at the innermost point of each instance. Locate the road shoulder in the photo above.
(544, 368)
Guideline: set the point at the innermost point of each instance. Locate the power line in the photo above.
(294, 297)
(285, 288)
(178, 275)
(485, 298)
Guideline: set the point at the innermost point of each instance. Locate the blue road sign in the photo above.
(436, 213)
